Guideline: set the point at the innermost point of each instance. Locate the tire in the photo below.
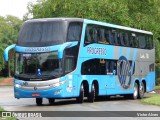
(39, 101)
(92, 95)
(135, 92)
(141, 91)
(80, 99)
(51, 100)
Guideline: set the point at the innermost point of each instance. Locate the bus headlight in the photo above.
(58, 84)
(17, 85)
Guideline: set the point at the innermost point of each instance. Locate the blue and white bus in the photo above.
(58, 58)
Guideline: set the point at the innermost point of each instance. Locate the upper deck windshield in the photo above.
(37, 66)
(47, 33)
(43, 33)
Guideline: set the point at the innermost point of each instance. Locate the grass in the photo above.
(7, 118)
(158, 87)
(155, 100)
(2, 78)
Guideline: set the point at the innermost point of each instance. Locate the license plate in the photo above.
(35, 94)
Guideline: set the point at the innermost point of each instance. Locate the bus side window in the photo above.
(111, 40)
(126, 39)
(101, 36)
(142, 41)
(122, 38)
(74, 31)
(118, 39)
(111, 66)
(106, 32)
(87, 36)
(147, 43)
(114, 34)
(134, 39)
(150, 42)
(95, 35)
(130, 40)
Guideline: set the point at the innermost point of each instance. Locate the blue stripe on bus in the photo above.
(128, 53)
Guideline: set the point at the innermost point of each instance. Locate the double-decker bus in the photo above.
(58, 58)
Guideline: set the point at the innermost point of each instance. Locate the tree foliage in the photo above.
(9, 27)
(141, 14)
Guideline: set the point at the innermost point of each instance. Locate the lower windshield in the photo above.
(35, 66)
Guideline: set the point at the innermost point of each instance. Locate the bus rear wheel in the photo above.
(80, 99)
(39, 101)
(91, 96)
(141, 91)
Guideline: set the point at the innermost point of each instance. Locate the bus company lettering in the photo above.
(38, 49)
(96, 51)
(124, 72)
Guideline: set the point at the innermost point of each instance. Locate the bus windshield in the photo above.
(42, 33)
(41, 65)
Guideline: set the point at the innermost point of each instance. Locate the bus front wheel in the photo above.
(39, 101)
(80, 98)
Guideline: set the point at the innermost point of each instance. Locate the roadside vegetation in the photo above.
(1, 78)
(155, 100)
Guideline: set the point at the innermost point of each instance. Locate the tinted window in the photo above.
(41, 33)
(74, 31)
(142, 41)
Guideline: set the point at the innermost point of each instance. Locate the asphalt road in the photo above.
(9, 103)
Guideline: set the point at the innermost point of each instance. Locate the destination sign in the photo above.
(97, 50)
(37, 49)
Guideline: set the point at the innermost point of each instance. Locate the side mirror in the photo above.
(6, 51)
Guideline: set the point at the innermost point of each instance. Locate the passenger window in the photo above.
(87, 36)
(118, 39)
(74, 32)
(111, 66)
(114, 34)
(142, 41)
(111, 40)
(122, 39)
(126, 40)
(151, 42)
(134, 40)
(103, 36)
(95, 35)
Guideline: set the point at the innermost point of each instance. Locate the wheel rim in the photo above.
(93, 92)
(135, 90)
(142, 89)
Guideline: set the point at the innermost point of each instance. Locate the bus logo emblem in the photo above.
(125, 71)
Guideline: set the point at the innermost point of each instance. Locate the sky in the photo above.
(14, 7)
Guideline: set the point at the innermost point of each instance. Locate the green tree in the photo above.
(9, 27)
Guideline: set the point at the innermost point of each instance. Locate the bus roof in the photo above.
(56, 19)
(87, 21)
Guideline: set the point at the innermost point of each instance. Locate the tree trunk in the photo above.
(9, 70)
